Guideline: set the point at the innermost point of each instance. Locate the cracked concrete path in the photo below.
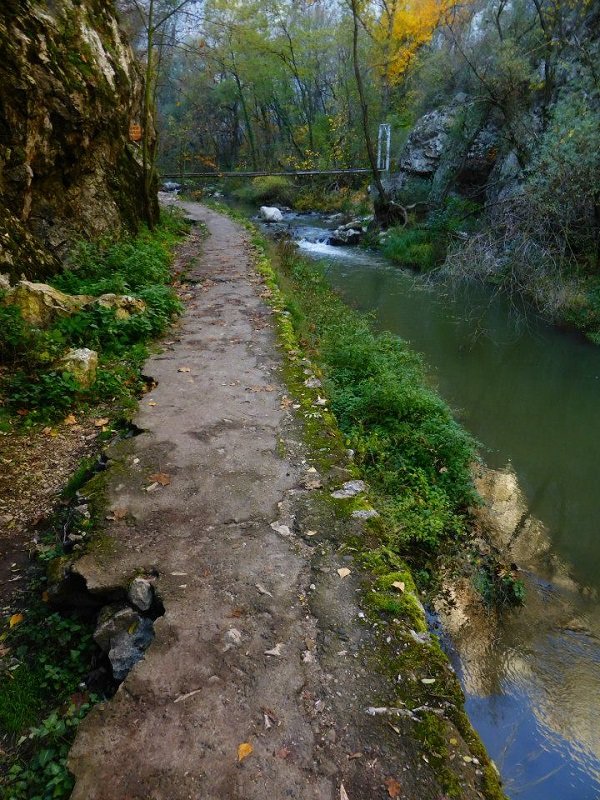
(233, 588)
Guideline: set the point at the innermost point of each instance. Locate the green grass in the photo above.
(32, 383)
(408, 446)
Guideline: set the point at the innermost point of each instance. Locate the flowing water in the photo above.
(531, 395)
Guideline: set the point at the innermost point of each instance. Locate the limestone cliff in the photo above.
(69, 90)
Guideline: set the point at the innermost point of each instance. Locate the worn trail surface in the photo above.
(206, 684)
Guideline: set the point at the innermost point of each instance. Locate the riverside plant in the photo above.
(140, 266)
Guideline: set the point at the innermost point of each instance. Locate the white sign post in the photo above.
(384, 140)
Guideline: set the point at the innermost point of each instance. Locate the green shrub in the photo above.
(267, 189)
(418, 248)
(139, 266)
(43, 701)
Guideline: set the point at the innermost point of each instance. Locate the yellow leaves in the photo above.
(411, 26)
(15, 620)
(244, 750)
(160, 477)
(343, 572)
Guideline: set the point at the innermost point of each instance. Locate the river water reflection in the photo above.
(531, 395)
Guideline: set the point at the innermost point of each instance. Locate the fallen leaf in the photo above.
(343, 793)
(453, 741)
(79, 699)
(22, 412)
(100, 423)
(184, 369)
(70, 420)
(400, 585)
(16, 619)
(244, 750)
(393, 787)
(47, 431)
(343, 572)
(427, 681)
(262, 589)
(311, 533)
(354, 755)
(282, 753)
(119, 513)
(275, 651)
(152, 403)
(160, 477)
(152, 487)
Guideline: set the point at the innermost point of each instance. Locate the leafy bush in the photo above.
(135, 266)
(267, 189)
(414, 247)
(424, 246)
(43, 701)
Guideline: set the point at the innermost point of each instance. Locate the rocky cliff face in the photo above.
(69, 89)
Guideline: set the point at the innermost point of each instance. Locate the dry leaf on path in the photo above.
(70, 420)
(275, 651)
(16, 619)
(160, 477)
(399, 585)
(184, 369)
(262, 589)
(343, 572)
(100, 423)
(244, 750)
(311, 533)
(152, 403)
(393, 787)
(343, 793)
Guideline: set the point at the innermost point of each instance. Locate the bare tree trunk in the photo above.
(364, 108)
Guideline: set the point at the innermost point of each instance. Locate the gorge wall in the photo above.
(69, 90)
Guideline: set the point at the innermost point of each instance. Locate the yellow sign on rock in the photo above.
(135, 132)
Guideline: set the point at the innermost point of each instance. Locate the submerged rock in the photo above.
(341, 236)
(82, 364)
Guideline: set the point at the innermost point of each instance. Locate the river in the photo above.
(531, 395)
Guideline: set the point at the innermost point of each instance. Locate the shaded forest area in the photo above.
(494, 108)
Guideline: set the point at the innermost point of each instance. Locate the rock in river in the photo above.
(271, 214)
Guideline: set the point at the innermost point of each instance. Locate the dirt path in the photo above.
(233, 587)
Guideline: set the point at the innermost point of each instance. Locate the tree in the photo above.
(153, 17)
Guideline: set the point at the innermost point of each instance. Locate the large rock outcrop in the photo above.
(69, 90)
